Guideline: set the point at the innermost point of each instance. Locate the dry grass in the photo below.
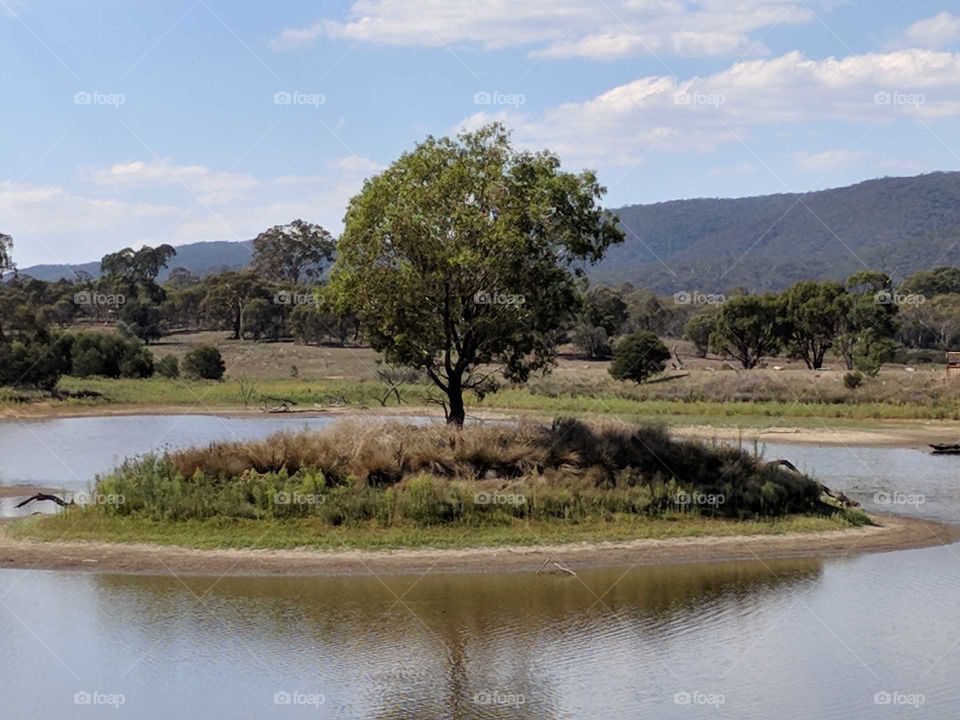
(431, 474)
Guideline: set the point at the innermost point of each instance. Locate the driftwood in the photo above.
(44, 496)
(837, 495)
(556, 568)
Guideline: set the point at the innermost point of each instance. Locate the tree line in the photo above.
(465, 261)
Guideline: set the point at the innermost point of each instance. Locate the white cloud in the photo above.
(560, 28)
(939, 31)
(115, 206)
(662, 113)
(210, 187)
(825, 161)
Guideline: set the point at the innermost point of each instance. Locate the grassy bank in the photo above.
(312, 533)
(703, 405)
(382, 485)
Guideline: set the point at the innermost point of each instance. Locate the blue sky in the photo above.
(142, 122)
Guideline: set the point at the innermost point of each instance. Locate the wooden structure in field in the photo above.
(953, 362)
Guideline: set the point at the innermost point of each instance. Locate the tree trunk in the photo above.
(456, 413)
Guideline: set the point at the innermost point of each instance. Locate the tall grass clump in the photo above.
(396, 473)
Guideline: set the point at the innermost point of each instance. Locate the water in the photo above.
(787, 639)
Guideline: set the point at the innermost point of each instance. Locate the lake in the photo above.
(872, 636)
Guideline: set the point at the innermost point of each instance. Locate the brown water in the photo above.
(791, 639)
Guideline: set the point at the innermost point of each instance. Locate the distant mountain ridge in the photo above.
(202, 258)
(898, 225)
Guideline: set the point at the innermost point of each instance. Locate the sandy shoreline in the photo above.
(895, 533)
(878, 433)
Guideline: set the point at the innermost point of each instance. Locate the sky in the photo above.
(127, 123)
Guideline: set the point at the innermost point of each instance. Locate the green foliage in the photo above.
(204, 363)
(569, 470)
(698, 330)
(604, 308)
(852, 380)
(168, 367)
(748, 328)
(463, 254)
(109, 356)
(638, 357)
(813, 317)
(291, 253)
(907, 223)
(936, 281)
(592, 341)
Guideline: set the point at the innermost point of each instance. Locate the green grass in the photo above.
(91, 525)
(309, 394)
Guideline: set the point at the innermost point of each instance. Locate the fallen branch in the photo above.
(44, 496)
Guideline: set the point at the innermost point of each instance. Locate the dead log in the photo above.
(44, 496)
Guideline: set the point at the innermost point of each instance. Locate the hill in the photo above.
(898, 225)
(200, 258)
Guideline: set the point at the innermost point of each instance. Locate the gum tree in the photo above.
(462, 259)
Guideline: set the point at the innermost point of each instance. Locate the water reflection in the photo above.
(432, 647)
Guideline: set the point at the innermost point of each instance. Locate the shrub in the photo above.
(394, 474)
(109, 355)
(638, 357)
(853, 380)
(204, 363)
(168, 367)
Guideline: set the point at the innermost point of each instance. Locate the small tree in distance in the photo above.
(204, 363)
(639, 357)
